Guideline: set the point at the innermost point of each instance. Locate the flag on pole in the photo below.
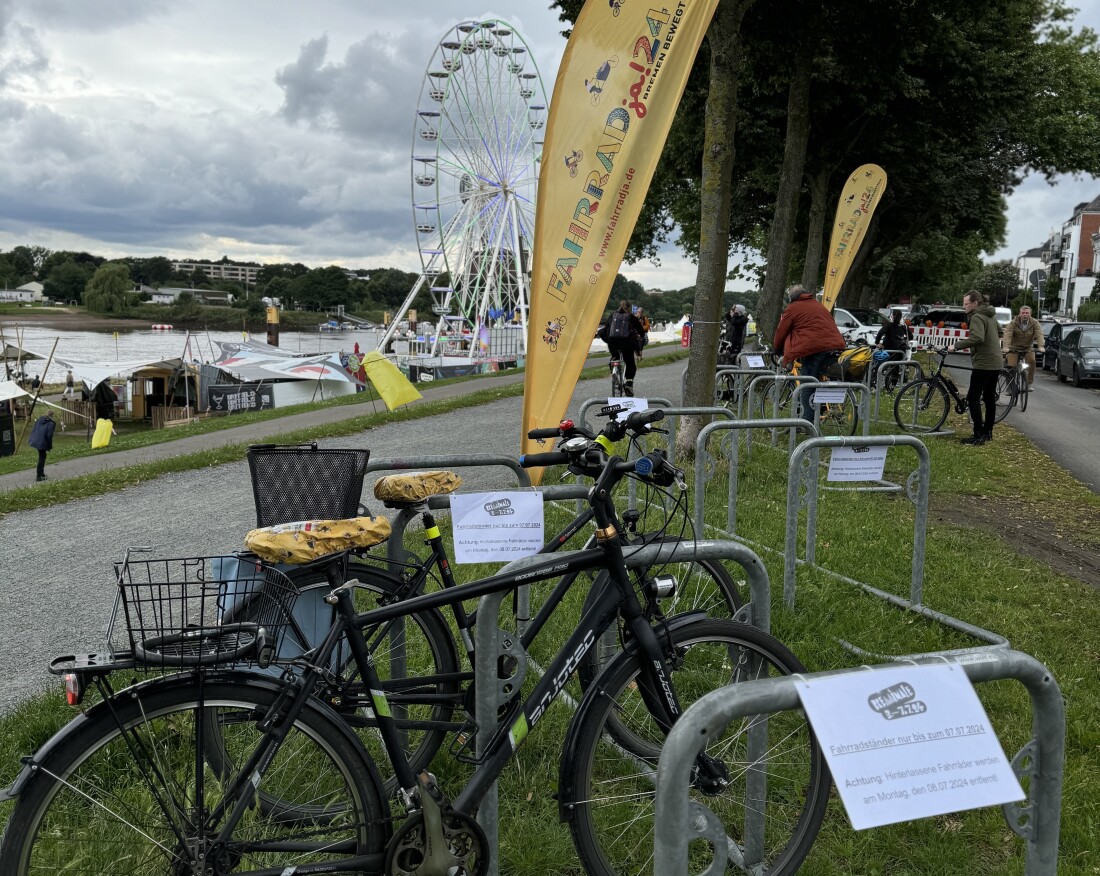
(858, 199)
(620, 80)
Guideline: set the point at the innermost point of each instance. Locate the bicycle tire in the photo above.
(612, 820)
(92, 806)
(617, 384)
(768, 407)
(1025, 391)
(701, 585)
(431, 659)
(921, 405)
(1006, 394)
(840, 419)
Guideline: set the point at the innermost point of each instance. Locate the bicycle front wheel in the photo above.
(1006, 394)
(921, 405)
(612, 822)
(1025, 391)
(131, 791)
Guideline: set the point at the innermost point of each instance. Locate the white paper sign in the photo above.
(629, 404)
(908, 742)
(829, 396)
(858, 463)
(755, 361)
(496, 527)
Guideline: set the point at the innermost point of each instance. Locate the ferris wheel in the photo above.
(476, 147)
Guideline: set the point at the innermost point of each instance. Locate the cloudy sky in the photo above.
(269, 130)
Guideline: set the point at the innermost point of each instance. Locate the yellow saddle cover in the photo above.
(311, 539)
(416, 486)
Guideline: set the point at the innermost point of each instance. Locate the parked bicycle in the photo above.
(839, 417)
(166, 775)
(922, 405)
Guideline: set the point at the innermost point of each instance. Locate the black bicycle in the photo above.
(922, 405)
(133, 785)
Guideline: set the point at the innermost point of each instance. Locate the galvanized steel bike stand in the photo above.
(679, 820)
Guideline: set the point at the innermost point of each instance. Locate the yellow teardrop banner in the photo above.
(620, 80)
(858, 200)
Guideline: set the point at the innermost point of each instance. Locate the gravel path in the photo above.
(57, 575)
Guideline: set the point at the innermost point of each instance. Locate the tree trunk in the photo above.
(724, 41)
(815, 232)
(786, 201)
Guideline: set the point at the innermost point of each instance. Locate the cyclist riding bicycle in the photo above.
(807, 331)
(1020, 336)
(622, 331)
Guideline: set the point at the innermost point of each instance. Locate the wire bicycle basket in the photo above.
(191, 611)
(293, 482)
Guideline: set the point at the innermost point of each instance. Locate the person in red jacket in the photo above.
(807, 331)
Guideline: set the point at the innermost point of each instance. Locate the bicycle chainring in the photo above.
(466, 851)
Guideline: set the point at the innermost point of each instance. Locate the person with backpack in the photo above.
(42, 440)
(622, 332)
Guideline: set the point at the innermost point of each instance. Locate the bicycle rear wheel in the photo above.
(612, 819)
(121, 795)
(921, 405)
(617, 379)
(1006, 394)
(840, 418)
(769, 406)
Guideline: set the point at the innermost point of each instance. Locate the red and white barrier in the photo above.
(933, 336)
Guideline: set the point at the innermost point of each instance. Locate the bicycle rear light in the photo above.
(74, 689)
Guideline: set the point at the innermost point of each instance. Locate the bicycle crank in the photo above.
(437, 840)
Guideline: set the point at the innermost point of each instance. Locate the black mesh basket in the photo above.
(301, 482)
(202, 611)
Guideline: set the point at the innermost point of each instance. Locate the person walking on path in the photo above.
(70, 385)
(42, 440)
(807, 331)
(1020, 335)
(984, 344)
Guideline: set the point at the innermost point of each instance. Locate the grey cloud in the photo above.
(97, 17)
(21, 53)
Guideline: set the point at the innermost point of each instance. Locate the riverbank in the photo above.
(65, 319)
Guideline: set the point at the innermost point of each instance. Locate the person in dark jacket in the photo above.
(807, 331)
(623, 347)
(894, 335)
(986, 362)
(42, 440)
(733, 333)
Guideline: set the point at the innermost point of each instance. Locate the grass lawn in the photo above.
(969, 573)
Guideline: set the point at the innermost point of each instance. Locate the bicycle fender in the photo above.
(567, 792)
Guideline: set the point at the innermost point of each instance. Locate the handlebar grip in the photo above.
(548, 432)
(636, 420)
(540, 460)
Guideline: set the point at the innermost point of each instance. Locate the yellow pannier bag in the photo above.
(311, 539)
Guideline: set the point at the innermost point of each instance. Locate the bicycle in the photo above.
(618, 380)
(834, 417)
(424, 643)
(922, 404)
(130, 784)
(1012, 385)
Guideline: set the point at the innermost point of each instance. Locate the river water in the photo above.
(122, 346)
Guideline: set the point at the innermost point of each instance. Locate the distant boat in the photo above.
(333, 326)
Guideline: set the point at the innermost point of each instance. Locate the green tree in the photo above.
(66, 281)
(186, 306)
(109, 290)
(999, 282)
(155, 271)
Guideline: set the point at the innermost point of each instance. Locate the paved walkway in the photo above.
(248, 434)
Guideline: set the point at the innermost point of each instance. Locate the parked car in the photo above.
(858, 323)
(1079, 355)
(1054, 338)
(1045, 325)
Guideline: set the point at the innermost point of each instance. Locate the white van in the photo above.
(1003, 315)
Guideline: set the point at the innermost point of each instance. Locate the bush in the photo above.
(1089, 311)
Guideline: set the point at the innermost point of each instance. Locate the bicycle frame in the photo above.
(619, 600)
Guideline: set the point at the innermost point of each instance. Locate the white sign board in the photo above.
(857, 463)
(829, 396)
(496, 527)
(755, 361)
(629, 404)
(907, 742)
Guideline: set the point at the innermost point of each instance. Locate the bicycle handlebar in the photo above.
(541, 460)
(545, 433)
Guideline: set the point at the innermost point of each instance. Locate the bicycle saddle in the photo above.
(309, 540)
(414, 487)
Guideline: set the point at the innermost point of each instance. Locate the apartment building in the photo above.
(1073, 257)
(221, 270)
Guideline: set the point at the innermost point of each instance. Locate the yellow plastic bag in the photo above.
(102, 435)
(310, 539)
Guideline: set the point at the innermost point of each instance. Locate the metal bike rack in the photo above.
(487, 696)
(790, 553)
(732, 455)
(679, 820)
(601, 402)
(776, 411)
(740, 373)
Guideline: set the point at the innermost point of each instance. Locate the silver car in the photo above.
(1079, 356)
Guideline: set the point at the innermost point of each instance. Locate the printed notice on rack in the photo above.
(627, 405)
(907, 742)
(860, 462)
(754, 361)
(829, 396)
(496, 527)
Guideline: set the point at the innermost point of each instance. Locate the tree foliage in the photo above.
(109, 290)
(66, 280)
